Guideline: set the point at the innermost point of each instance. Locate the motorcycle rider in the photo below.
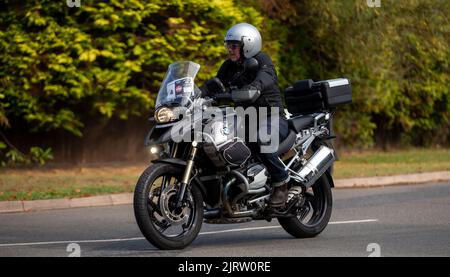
(243, 41)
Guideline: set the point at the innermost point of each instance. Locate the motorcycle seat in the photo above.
(301, 122)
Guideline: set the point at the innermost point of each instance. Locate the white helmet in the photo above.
(248, 35)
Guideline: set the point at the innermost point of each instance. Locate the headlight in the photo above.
(164, 115)
(154, 149)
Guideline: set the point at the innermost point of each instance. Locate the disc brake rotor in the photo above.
(174, 216)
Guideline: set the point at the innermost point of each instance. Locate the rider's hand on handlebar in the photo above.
(246, 94)
(222, 96)
(249, 87)
(212, 87)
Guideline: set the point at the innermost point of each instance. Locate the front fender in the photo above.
(172, 161)
(158, 135)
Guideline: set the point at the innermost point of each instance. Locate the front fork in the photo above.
(187, 174)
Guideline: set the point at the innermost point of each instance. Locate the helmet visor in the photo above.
(232, 44)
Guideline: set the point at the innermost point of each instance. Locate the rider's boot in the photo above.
(279, 194)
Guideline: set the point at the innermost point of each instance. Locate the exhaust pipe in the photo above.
(316, 165)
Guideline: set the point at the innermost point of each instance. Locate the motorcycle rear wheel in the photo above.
(154, 211)
(314, 215)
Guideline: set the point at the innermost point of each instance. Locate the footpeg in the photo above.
(294, 192)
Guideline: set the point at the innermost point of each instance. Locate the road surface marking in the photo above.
(142, 238)
(273, 227)
(70, 241)
(354, 221)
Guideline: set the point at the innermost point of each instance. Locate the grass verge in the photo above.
(36, 184)
(372, 163)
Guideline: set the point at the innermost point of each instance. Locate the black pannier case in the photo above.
(335, 92)
(302, 99)
(307, 96)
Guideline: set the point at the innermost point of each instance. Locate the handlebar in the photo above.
(222, 96)
(208, 101)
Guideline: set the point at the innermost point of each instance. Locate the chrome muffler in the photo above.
(316, 165)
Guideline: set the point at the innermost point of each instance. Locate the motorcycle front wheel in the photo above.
(163, 224)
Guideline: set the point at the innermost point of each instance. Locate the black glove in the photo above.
(250, 87)
(212, 87)
(246, 94)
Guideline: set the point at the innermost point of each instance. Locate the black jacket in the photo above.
(264, 79)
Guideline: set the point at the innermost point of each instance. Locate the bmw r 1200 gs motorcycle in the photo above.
(218, 180)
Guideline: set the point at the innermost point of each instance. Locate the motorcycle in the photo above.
(215, 178)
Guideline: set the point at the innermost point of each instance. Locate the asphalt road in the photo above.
(409, 220)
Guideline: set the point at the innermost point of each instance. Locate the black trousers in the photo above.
(270, 159)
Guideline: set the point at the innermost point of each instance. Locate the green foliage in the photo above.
(40, 156)
(13, 157)
(397, 57)
(60, 67)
